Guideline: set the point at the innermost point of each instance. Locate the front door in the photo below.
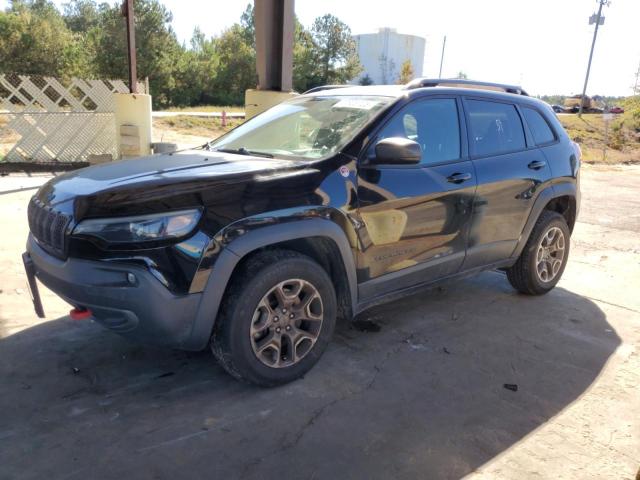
(415, 218)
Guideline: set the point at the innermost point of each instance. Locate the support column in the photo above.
(274, 27)
(132, 112)
(133, 124)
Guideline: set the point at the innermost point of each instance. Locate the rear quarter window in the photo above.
(540, 129)
(495, 128)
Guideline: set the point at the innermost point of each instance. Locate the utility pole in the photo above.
(597, 19)
(127, 12)
(444, 43)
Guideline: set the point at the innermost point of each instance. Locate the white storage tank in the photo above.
(383, 53)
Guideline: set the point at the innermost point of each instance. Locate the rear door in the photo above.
(415, 218)
(510, 172)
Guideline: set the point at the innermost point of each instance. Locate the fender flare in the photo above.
(231, 255)
(544, 197)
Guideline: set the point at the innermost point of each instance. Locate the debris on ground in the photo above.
(366, 326)
(511, 386)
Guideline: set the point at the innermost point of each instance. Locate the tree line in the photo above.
(87, 39)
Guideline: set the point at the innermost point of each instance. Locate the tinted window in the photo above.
(539, 127)
(433, 124)
(494, 128)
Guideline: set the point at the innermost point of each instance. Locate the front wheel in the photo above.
(277, 318)
(544, 257)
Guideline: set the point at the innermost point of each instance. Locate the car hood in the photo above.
(162, 174)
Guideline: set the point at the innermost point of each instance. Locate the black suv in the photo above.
(318, 208)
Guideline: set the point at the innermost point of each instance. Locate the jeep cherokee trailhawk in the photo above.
(318, 208)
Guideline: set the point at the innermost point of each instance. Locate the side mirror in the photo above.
(397, 151)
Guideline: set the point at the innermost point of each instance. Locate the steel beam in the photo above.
(274, 28)
(127, 12)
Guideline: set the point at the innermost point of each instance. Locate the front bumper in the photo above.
(142, 310)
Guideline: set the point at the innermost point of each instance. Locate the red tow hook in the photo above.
(80, 314)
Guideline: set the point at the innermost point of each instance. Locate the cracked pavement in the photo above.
(423, 397)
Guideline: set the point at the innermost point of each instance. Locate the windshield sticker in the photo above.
(355, 104)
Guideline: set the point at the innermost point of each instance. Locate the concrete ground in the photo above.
(423, 397)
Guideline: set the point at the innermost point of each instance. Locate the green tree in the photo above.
(81, 16)
(34, 39)
(159, 53)
(247, 23)
(306, 74)
(196, 72)
(237, 66)
(406, 72)
(461, 75)
(334, 50)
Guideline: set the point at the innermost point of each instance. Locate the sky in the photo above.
(542, 45)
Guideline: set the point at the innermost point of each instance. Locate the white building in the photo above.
(383, 53)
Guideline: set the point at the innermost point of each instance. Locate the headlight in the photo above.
(140, 228)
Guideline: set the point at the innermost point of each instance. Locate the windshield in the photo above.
(304, 127)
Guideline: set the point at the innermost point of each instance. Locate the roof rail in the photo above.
(325, 87)
(463, 83)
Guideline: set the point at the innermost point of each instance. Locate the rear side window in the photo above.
(433, 123)
(495, 128)
(539, 127)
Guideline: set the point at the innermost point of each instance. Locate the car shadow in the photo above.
(413, 389)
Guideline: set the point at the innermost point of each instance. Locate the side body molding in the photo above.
(231, 253)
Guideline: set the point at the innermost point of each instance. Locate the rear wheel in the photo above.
(276, 320)
(544, 257)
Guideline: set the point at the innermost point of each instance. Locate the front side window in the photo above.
(304, 127)
(495, 128)
(539, 127)
(433, 123)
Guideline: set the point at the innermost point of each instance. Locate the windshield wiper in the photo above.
(244, 151)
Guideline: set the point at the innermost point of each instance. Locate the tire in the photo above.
(256, 344)
(525, 275)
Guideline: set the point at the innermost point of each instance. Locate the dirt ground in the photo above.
(422, 397)
(187, 131)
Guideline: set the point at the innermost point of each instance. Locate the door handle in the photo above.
(458, 177)
(537, 165)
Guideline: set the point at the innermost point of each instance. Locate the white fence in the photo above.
(60, 120)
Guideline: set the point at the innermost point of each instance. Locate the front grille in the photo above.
(48, 227)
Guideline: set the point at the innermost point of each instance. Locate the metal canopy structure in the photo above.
(274, 27)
